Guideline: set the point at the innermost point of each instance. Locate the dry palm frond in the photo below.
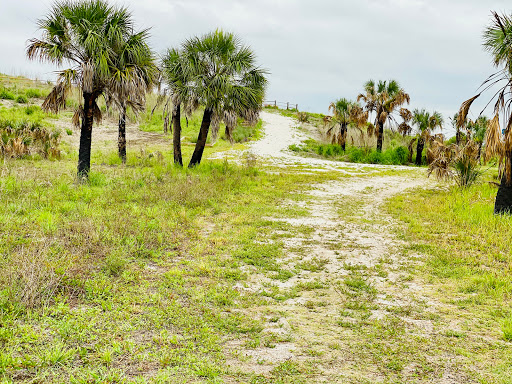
(442, 157)
(214, 127)
(230, 120)
(56, 99)
(370, 130)
(404, 129)
(96, 113)
(464, 110)
(493, 141)
(326, 120)
(78, 117)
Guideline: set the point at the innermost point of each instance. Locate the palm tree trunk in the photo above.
(176, 134)
(201, 139)
(121, 140)
(229, 135)
(343, 135)
(503, 203)
(84, 152)
(419, 151)
(380, 135)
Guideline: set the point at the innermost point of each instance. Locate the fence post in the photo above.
(287, 105)
(297, 107)
(275, 103)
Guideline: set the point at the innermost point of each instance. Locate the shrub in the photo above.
(303, 117)
(356, 155)
(34, 93)
(22, 99)
(375, 157)
(402, 155)
(6, 94)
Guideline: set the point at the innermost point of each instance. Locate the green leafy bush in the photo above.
(22, 99)
(6, 94)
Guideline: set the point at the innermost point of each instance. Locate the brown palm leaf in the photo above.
(493, 142)
(464, 110)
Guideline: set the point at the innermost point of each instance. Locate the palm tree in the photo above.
(224, 77)
(133, 75)
(383, 99)
(345, 112)
(498, 41)
(341, 110)
(426, 123)
(477, 129)
(87, 35)
(176, 73)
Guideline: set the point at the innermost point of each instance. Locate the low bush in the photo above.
(391, 156)
(6, 94)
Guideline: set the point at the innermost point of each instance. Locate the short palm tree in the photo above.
(498, 41)
(341, 110)
(224, 77)
(345, 113)
(426, 124)
(383, 99)
(133, 75)
(177, 72)
(87, 35)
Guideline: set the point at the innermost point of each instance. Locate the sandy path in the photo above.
(350, 239)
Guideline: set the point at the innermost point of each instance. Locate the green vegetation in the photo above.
(26, 131)
(468, 251)
(395, 156)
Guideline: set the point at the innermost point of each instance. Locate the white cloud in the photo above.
(316, 51)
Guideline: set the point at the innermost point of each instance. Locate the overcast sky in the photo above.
(316, 51)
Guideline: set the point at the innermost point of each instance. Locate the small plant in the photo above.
(303, 117)
(22, 99)
(69, 132)
(507, 329)
(6, 94)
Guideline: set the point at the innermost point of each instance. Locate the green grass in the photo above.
(114, 280)
(391, 156)
(468, 248)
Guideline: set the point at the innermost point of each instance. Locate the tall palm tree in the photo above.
(87, 35)
(133, 75)
(383, 99)
(426, 123)
(224, 77)
(498, 41)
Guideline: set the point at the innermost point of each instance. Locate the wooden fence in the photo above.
(280, 104)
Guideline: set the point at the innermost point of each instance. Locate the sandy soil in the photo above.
(349, 232)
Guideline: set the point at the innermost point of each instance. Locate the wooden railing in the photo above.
(280, 104)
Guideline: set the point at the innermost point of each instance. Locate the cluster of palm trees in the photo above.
(110, 59)
(384, 100)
